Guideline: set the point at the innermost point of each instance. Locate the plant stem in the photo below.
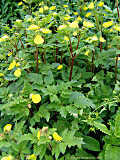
(21, 43)
(117, 8)
(93, 58)
(37, 70)
(116, 62)
(56, 51)
(100, 46)
(71, 69)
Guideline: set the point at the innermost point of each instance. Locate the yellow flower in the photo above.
(32, 157)
(33, 27)
(117, 28)
(94, 38)
(67, 17)
(12, 65)
(59, 67)
(75, 33)
(65, 6)
(85, 8)
(79, 18)
(74, 24)
(7, 128)
(52, 8)
(38, 39)
(88, 24)
(17, 73)
(4, 38)
(102, 39)
(1, 74)
(9, 54)
(87, 52)
(57, 137)
(7, 158)
(91, 5)
(107, 24)
(17, 64)
(18, 21)
(62, 27)
(66, 38)
(39, 134)
(46, 8)
(20, 3)
(41, 10)
(100, 4)
(76, 13)
(88, 14)
(36, 98)
(45, 30)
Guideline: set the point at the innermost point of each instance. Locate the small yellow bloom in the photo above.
(91, 5)
(88, 14)
(67, 17)
(102, 39)
(65, 6)
(107, 24)
(32, 157)
(20, 3)
(62, 27)
(39, 134)
(87, 52)
(66, 38)
(41, 10)
(79, 18)
(85, 8)
(52, 8)
(38, 39)
(7, 158)
(45, 30)
(75, 13)
(36, 98)
(9, 54)
(88, 24)
(100, 4)
(117, 28)
(7, 128)
(17, 73)
(59, 67)
(33, 27)
(57, 137)
(94, 38)
(4, 38)
(17, 64)
(1, 74)
(74, 24)
(12, 65)
(75, 33)
(46, 8)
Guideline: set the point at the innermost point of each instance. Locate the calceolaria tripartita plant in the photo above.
(59, 82)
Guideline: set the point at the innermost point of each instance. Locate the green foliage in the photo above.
(59, 80)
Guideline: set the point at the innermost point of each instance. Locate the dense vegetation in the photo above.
(59, 80)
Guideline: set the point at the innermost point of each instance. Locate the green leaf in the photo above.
(91, 144)
(112, 152)
(102, 127)
(117, 125)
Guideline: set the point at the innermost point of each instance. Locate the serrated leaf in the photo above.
(102, 127)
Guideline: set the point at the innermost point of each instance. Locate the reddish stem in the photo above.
(71, 70)
(56, 51)
(93, 57)
(100, 46)
(22, 44)
(37, 60)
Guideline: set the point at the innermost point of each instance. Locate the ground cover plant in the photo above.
(60, 82)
